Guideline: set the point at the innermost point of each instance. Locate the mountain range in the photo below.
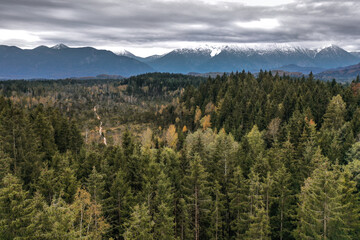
(61, 61)
(232, 58)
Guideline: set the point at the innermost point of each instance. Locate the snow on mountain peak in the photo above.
(122, 52)
(243, 48)
(59, 46)
(261, 49)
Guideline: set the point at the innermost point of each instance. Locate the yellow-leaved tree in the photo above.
(206, 122)
(171, 136)
(89, 221)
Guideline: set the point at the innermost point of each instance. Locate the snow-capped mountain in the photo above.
(334, 56)
(61, 61)
(126, 53)
(59, 46)
(252, 58)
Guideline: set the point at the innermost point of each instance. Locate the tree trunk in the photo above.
(196, 214)
(81, 220)
(119, 208)
(281, 217)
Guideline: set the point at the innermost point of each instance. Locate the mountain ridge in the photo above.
(61, 61)
(229, 58)
(341, 74)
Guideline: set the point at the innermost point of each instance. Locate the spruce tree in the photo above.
(139, 225)
(198, 195)
(335, 113)
(95, 185)
(16, 210)
(238, 192)
(321, 212)
(118, 206)
(217, 212)
(259, 224)
(164, 212)
(281, 222)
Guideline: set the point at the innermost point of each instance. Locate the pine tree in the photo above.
(238, 192)
(198, 194)
(48, 184)
(44, 130)
(68, 184)
(259, 224)
(163, 216)
(118, 205)
(353, 153)
(351, 202)
(256, 141)
(173, 170)
(217, 212)
(335, 113)
(5, 163)
(222, 155)
(253, 149)
(134, 162)
(139, 225)
(54, 221)
(95, 185)
(268, 185)
(16, 210)
(184, 220)
(321, 212)
(281, 221)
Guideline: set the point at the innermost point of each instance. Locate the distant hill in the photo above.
(209, 74)
(304, 70)
(61, 61)
(341, 74)
(291, 74)
(101, 76)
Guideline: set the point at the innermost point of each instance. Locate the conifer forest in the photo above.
(169, 156)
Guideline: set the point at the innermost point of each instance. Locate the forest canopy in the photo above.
(233, 157)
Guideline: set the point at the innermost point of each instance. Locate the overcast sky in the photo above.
(147, 27)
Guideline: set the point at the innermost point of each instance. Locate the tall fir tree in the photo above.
(259, 223)
(16, 210)
(118, 205)
(321, 212)
(139, 225)
(238, 192)
(198, 196)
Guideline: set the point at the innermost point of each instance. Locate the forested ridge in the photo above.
(231, 157)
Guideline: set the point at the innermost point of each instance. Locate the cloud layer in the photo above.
(155, 25)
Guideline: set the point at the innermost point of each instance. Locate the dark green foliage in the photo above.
(281, 158)
(16, 210)
(243, 101)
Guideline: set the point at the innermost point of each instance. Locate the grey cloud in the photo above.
(151, 22)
